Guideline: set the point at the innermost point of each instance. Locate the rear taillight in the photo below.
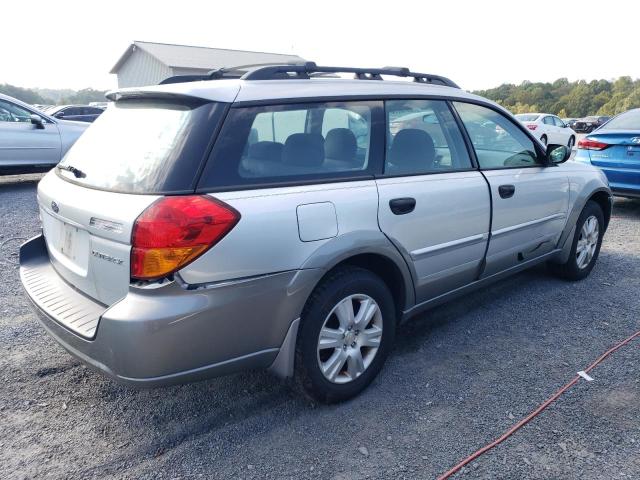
(174, 231)
(589, 144)
(532, 127)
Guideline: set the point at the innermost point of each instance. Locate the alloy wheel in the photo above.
(587, 242)
(349, 338)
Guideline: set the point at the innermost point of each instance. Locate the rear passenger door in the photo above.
(530, 200)
(434, 206)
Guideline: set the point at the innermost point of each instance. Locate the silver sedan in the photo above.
(30, 140)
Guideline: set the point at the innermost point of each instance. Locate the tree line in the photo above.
(562, 97)
(568, 99)
(44, 96)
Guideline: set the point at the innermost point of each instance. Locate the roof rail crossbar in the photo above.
(279, 71)
(303, 71)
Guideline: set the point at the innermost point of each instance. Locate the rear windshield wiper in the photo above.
(76, 171)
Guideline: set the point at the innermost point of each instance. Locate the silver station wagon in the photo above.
(278, 217)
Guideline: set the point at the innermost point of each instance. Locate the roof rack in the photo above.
(309, 70)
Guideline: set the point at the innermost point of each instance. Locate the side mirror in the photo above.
(59, 115)
(37, 120)
(557, 154)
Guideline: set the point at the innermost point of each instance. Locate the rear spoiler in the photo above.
(119, 95)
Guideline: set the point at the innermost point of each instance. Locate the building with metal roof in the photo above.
(147, 63)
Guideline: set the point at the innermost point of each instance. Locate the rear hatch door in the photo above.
(138, 151)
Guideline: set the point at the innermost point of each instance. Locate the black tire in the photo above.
(543, 139)
(338, 285)
(570, 269)
(572, 142)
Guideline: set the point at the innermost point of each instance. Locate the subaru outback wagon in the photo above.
(272, 217)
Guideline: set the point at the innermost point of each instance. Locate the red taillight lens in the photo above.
(532, 127)
(589, 144)
(174, 231)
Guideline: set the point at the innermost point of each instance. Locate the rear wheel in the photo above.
(543, 139)
(586, 244)
(346, 332)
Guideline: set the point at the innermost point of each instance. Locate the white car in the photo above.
(548, 128)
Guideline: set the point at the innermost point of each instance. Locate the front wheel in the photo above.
(572, 142)
(586, 244)
(346, 332)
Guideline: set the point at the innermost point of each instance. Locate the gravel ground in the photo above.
(460, 375)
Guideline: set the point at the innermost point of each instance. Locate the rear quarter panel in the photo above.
(267, 239)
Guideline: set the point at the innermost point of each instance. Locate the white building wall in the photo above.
(142, 69)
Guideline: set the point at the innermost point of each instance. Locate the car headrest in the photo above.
(303, 149)
(340, 144)
(267, 151)
(412, 150)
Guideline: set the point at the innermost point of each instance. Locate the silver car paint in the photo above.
(268, 232)
(238, 305)
(530, 222)
(23, 144)
(445, 237)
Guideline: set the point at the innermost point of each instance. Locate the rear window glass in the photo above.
(625, 121)
(523, 117)
(144, 146)
(293, 143)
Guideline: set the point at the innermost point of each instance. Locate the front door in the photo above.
(23, 143)
(433, 205)
(530, 200)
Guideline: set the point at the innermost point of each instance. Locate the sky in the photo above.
(478, 44)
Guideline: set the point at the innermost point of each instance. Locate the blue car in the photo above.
(615, 148)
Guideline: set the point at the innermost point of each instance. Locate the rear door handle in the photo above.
(506, 191)
(401, 206)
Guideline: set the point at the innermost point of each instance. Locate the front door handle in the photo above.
(401, 206)
(506, 191)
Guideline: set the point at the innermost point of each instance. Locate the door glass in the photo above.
(548, 121)
(10, 112)
(497, 141)
(558, 122)
(423, 137)
(291, 143)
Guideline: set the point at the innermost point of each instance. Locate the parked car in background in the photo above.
(615, 148)
(101, 105)
(589, 124)
(548, 128)
(326, 212)
(570, 122)
(78, 113)
(31, 140)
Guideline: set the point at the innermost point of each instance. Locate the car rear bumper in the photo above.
(173, 333)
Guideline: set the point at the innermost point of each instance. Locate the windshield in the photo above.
(524, 117)
(144, 146)
(625, 121)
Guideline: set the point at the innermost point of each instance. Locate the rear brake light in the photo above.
(589, 144)
(174, 231)
(532, 127)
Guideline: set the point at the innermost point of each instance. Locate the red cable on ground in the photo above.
(540, 408)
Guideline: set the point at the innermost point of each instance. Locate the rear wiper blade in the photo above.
(76, 171)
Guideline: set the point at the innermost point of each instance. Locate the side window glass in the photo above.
(285, 143)
(558, 122)
(497, 141)
(548, 121)
(13, 113)
(423, 137)
(346, 131)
